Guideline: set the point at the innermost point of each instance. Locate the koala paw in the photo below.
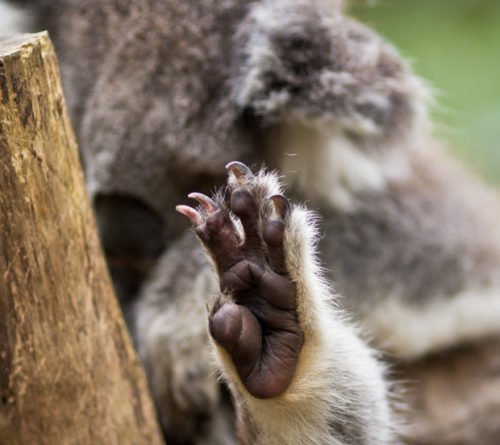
(256, 319)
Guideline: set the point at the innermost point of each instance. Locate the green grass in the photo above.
(455, 46)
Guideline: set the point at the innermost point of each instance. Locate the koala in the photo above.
(405, 348)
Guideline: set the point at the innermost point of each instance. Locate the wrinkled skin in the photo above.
(258, 325)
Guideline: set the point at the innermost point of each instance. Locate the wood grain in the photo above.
(68, 372)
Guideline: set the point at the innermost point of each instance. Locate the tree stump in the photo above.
(68, 372)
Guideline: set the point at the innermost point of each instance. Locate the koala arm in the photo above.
(297, 369)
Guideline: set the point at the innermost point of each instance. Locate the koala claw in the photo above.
(208, 204)
(195, 216)
(281, 207)
(238, 169)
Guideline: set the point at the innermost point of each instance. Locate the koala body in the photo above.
(163, 94)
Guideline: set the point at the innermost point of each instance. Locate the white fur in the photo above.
(13, 20)
(411, 331)
(324, 163)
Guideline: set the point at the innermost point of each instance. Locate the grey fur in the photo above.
(316, 64)
(164, 93)
(419, 240)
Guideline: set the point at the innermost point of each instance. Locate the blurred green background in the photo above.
(455, 46)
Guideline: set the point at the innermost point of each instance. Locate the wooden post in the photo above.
(68, 372)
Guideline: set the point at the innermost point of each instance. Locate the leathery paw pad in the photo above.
(256, 321)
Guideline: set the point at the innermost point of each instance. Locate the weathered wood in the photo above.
(68, 373)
